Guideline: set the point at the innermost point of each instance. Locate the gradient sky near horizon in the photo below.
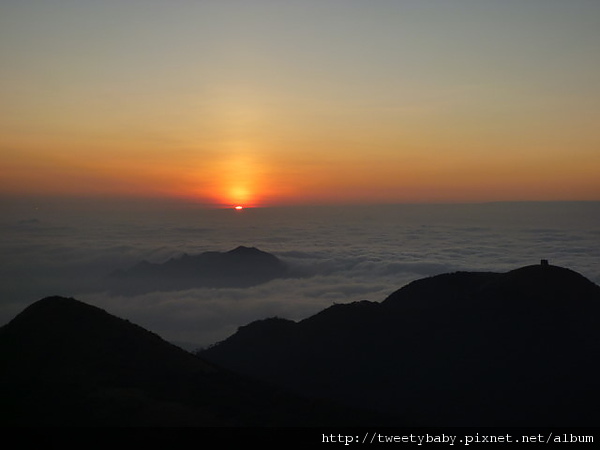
(257, 102)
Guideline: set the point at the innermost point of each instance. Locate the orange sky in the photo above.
(331, 102)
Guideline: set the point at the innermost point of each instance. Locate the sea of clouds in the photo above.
(337, 254)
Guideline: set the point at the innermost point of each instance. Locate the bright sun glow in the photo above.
(239, 183)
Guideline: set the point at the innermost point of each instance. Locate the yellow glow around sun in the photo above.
(239, 195)
(240, 182)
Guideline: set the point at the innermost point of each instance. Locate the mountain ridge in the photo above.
(240, 267)
(68, 363)
(461, 349)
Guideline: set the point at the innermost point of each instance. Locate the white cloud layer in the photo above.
(336, 256)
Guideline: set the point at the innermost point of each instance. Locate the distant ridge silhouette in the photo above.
(66, 363)
(237, 268)
(460, 349)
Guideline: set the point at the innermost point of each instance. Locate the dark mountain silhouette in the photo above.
(462, 349)
(237, 268)
(66, 363)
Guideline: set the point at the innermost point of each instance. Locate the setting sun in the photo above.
(275, 120)
(240, 182)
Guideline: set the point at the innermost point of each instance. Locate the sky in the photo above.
(259, 103)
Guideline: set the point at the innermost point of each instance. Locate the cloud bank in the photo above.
(335, 257)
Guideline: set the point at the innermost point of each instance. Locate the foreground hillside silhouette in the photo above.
(66, 363)
(462, 349)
